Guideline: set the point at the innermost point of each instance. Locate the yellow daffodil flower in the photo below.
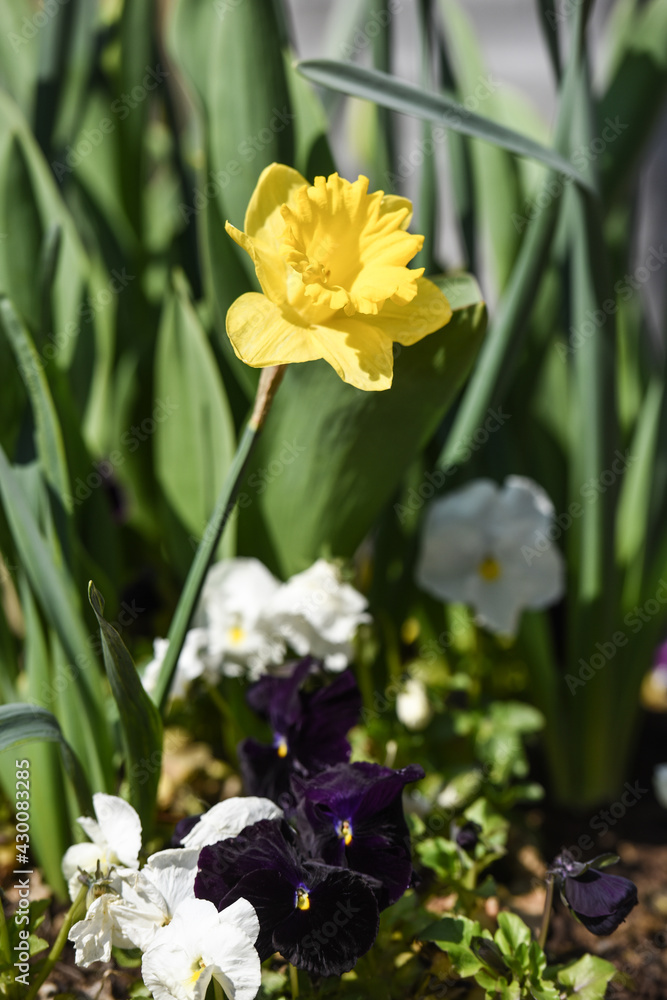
(331, 260)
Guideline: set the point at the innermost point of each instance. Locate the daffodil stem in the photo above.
(269, 381)
(75, 912)
(546, 915)
(294, 981)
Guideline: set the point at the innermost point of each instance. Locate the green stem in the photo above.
(269, 381)
(294, 981)
(75, 912)
(546, 915)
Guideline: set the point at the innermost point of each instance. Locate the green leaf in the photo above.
(195, 442)
(390, 92)
(321, 474)
(495, 171)
(454, 936)
(22, 162)
(55, 593)
(511, 933)
(140, 721)
(247, 102)
(587, 978)
(50, 447)
(21, 723)
(635, 95)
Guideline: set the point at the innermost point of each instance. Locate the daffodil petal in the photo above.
(262, 336)
(395, 203)
(359, 353)
(427, 312)
(275, 187)
(269, 265)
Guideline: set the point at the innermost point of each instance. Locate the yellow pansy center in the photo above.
(235, 635)
(489, 569)
(280, 744)
(344, 831)
(197, 969)
(349, 247)
(302, 898)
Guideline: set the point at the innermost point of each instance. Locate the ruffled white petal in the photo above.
(228, 818)
(120, 827)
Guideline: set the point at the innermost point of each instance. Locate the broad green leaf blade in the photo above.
(21, 723)
(139, 718)
(50, 448)
(398, 95)
(247, 103)
(635, 96)
(194, 444)
(632, 516)
(50, 209)
(495, 171)
(53, 589)
(50, 833)
(331, 456)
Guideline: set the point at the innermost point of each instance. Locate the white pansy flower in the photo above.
(115, 840)
(318, 614)
(129, 907)
(194, 661)
(412, 705)
(227, 819)
(106, 919)
(660, 784)
(234, 597)
(490, 547)
(201, 944)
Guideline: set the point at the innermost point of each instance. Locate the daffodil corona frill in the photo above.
(332, 263)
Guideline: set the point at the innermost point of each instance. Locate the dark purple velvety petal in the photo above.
(347, 818)
(328, 715)
(267, 845)
(340, 924)
(601, 901)
(182, 829)
(277, 698)
(272, 895)
(264, 771)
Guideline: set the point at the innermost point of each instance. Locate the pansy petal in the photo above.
(234, 962)
(84, 856)
(339, 899)
(598, 894)
(272, 896)
(262, 336)
(359, 353)
(172, 872)
(120, 826)
(497, 603)
(243, 914)
(226, 819)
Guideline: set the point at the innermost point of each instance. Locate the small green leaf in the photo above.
(587, 978)
(139, 719)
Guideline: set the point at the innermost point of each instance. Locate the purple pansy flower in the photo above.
(319, 918)
(601, 902)
(352, 816)
(309, 730)
(467, 836)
